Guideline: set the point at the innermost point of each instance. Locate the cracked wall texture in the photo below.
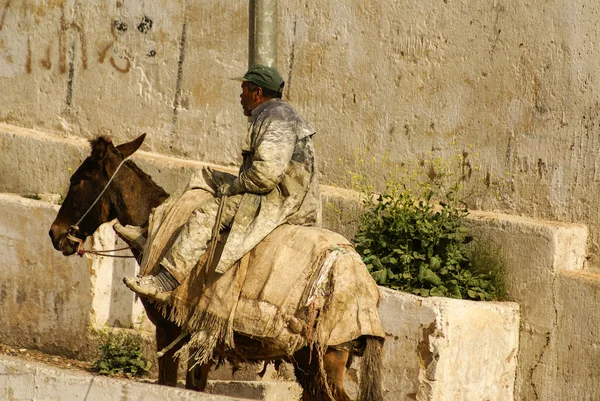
(558, 325)
(513, 82)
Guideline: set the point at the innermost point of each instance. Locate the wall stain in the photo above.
(292, 57)
(3, 293)
(120, 69)
(182, 43)
(58, 305)
(71, 74)
(21, 296)
(4, 11)
(423, 351)
(498, 8)
(120, 26)
(46, 62)
(28, 60)
(145, 25)
(65, 28)
(541, 169)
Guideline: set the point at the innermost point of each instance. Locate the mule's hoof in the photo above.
(147, 287)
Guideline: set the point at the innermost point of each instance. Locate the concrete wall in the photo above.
(45, 299)
(545, 262)
(516, 80)
(51, 302)
(440, 349)
(558, 356)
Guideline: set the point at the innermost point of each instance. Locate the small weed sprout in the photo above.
(120, 353)
(412, 236)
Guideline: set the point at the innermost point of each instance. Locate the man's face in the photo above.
(248, 99)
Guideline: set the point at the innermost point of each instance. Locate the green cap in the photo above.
(266, 77)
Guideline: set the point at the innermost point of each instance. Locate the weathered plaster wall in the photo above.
(45, 298)
(558, 350)
(517, 80)
(512, 81)
(127, 67)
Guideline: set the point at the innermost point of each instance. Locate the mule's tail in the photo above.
(371, 371)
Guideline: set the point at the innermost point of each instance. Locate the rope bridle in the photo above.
(74, 229)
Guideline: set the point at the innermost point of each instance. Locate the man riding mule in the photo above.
(277, 184)
(300, 294)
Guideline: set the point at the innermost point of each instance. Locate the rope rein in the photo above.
(75, 228)
(106, 252)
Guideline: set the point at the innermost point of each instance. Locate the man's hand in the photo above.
(223, 190)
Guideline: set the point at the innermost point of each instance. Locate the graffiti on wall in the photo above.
(68, 47)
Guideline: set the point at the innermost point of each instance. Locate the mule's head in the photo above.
(86, 185)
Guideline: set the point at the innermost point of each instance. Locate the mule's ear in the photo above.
(99, 148)
(127, 149)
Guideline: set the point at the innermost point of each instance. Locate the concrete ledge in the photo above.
(572, 355)
(256, 390)
(561, 246)
(94, 298)
(440, 349)
(40, 163)
(26, 381)
(541, 258)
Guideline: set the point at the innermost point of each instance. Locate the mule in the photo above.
(107, 186)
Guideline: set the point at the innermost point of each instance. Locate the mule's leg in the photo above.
(317, 384)
(302, 373)
(197, 376)
(167, 364)
(334, 363)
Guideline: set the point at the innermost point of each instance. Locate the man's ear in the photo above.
(258, 93)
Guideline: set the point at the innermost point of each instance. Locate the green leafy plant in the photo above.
(413, 238)
(120, 353)
(488, 258)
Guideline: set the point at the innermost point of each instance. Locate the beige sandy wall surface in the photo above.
(513, 83)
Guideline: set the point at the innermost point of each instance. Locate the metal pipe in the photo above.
(262, 38)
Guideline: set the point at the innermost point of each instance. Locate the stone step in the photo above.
(256, 390)
(32, 381)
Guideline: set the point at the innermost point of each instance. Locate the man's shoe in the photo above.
(147, 287)
(132, 235)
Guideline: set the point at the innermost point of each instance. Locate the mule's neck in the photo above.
(135, 195)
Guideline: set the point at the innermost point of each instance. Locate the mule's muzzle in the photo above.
(61, 242)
